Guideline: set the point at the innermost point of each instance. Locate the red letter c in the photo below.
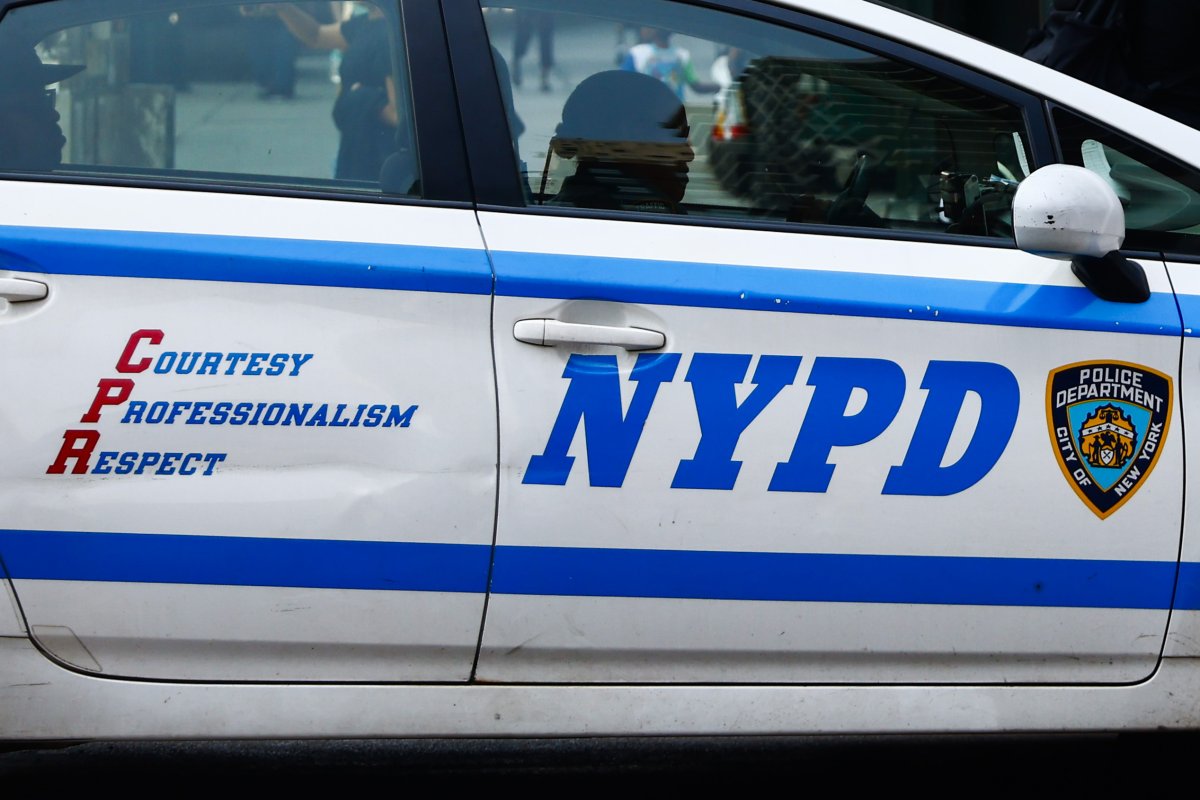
(124, 364)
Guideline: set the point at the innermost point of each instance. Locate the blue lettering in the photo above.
(278, 364)
(158, 410)
(299, 359)
(156, 463)
(177, 408)
(826, 424)
(211, 362)
(149, 459)
(234, 360)
(273, 414)
(167, 467)
(395, 419)
(722, 420)
(133, 414)
(254, 365)
(165, 362)
(126, 463)
(241, 413)
(187, 363)
(220, 413)
(374, 416)
(593, 400)
(948, 382)
(297, 413)
(198, 410)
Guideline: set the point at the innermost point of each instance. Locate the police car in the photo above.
(417, 397)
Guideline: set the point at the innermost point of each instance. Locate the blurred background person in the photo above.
(365, 112)
(657, 57)
(529, 25)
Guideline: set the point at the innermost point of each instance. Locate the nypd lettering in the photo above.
(143, 354)
(1108, 422)
(611, 432)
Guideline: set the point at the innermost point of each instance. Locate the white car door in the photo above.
(818, 420)
(1161, 194)
(248, 414)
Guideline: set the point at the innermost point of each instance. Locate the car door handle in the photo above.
(549, 332)
(21, 290)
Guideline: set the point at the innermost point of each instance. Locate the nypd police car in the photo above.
(764, 367)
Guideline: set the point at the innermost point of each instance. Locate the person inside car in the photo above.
(30, 136)
(628, 135)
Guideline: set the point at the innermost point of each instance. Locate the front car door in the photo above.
(1155, 173)
(780, 401)
(248, 415)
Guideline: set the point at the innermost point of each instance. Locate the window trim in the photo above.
(441, 149)
(490, 156)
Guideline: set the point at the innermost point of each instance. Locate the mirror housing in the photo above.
(1062, 211)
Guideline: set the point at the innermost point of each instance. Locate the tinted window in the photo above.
(661, 107)
(1161, 196)
(310, 95)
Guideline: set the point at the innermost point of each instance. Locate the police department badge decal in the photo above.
(1108, 422)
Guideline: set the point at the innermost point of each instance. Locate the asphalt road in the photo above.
(932, 765)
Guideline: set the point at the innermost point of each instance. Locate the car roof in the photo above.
(1152, 128)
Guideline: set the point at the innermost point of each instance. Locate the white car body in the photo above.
(625, 645)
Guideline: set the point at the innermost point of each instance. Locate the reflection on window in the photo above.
(1161, 196)
(660, 107)
(308, 95)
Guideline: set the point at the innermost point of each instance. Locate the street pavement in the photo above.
(227, 127)
(929, 766)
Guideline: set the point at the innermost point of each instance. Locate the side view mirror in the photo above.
(1067, 212)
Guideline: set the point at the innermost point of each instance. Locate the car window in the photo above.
(310, 95)
(661, 107)
(1161, 197)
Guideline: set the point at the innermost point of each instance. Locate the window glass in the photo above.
(306, 95)
(662, 107)
(1161, 197)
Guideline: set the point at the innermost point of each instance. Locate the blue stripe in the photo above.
(1189, 308)
(122, 254)
(824, 292)
(833, 578)
(596, 572)
(467, 271)
(1187, 597)
(238, 561)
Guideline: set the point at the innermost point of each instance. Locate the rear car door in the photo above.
(248, 414)
(780, 400)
